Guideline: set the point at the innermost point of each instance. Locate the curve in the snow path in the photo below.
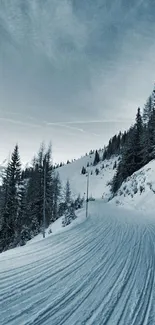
(101, 273)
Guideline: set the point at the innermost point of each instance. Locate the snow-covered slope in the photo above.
(138, 191)
(56, 227)
(98, 184)
(101, 272)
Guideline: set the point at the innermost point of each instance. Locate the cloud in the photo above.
(83, 65)
(50, 28)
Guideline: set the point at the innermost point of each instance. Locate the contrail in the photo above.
(5, 119)
(66, 125)
(71, 125)
(90, 121)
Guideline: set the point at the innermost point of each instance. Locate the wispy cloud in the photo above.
(9, 120)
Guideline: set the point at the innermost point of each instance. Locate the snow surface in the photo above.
(100, 272)
(138, 191)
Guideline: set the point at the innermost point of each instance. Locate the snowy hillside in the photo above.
(138, 191)
(98, 184)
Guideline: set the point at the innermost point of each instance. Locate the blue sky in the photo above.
(73, 72)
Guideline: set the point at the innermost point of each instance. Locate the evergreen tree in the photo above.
(67, 194)
(56, 197)
(50, 186)
(21, 220)
(132, 156)
(10, 186)
(97, 171)
(78, 204)
(104, 154)
(138, 144)
(83, 171)
(150, 136)
(148, 109)
(41, 179)
(97, 158)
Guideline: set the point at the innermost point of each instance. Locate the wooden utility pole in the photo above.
(44, 199)
(87, 198)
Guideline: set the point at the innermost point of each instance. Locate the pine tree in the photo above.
(150, 136)
(83, 171)
(97, 158)
(78, 203)
(72, 213)
(67, 218)
(104, 154)
(148, 109)
(50, 186)
(67, 194)
(138, 144)
(56, 197)
(11, 183)
(42, 168)
(132, 156)
(67, 204)
(21, 220)
(97, 171)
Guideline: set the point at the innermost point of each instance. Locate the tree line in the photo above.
(135, 147)
(22, 197)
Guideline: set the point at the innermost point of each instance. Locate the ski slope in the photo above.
(100, 272)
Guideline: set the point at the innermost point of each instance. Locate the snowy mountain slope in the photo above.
(138, 191)
(97, 183)
(100, 272)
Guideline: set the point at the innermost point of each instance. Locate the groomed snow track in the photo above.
(101, 272)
